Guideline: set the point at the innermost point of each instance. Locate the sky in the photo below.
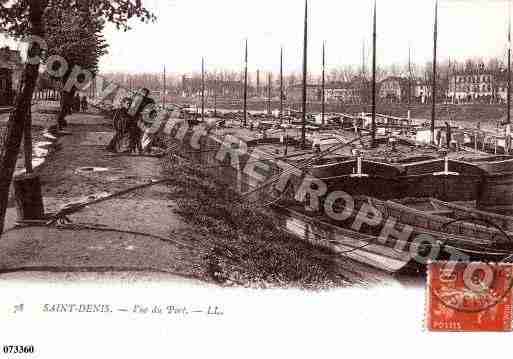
(186, 30)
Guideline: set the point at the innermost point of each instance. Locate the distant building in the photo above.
(422, 91)
(345, 92)
(295, 93)
(362, 89)
(10, 74)
(472, 86)
(227, 89)
(393, 89)
(501, 87)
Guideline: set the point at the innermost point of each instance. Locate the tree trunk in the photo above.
(16, 123)
(66, 104)
(27, 143)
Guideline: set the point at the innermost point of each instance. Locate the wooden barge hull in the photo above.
(417, 179)
(496, 193)
(446, 188)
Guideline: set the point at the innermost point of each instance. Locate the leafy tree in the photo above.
(77, 37)
(21, 18)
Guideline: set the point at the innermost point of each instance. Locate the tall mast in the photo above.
(363, 58)
(454, 70)
(509, 64)
(281, 84)
(373, 130)
(449, 78)
(246, 84)
(258, 83)
(433, 84)
(202, 89)
(363, 88)
(269, 93)
(164, 88)
(305, 67)
(215, 95)
(323, 79)
(409, 76)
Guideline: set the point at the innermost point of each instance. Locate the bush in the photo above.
(247, 245)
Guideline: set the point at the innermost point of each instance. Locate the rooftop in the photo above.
(9, 58)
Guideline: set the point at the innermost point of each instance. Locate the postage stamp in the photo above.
(469, 297)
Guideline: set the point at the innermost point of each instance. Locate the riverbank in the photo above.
(190, 227)
(472, 113)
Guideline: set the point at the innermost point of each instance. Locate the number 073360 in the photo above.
(18, 349)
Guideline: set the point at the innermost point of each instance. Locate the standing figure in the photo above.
(83, 104)
(141, 109)
(438, 138)
(121, 120)
(448, 135)
(76, 103)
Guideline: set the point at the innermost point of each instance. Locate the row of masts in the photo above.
(323, 84)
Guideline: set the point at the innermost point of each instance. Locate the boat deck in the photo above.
(404, 151)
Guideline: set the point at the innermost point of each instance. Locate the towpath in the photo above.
(80, 170)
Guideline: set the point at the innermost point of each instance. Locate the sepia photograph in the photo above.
(237, 178)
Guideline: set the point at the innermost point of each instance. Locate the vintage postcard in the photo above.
(237, 178)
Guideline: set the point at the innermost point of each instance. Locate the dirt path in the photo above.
(145, 217)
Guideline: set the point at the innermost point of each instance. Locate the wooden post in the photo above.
(27, 141)
(29, 200)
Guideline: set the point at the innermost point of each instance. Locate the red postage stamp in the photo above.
(469, 297)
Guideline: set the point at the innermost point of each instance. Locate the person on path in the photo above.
(141, 107)
(122, 120)
(84, 104)
(76, 103)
